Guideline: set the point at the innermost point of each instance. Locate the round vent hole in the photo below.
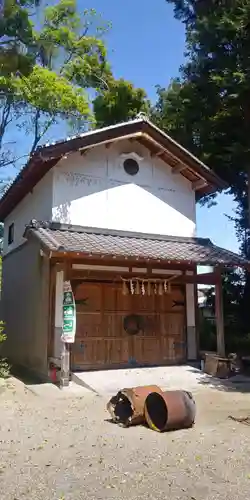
(131, 166)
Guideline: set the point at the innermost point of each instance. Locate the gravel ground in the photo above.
(66, 449)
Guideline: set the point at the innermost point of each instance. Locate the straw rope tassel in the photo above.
(124, 288)
(137, 288)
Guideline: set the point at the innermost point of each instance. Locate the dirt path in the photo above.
(66, 449)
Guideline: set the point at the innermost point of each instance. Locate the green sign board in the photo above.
(69, 314)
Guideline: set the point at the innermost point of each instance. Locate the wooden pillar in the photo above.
(197, 320)
(61, 349)
(57, 348)
(65, 365)
(191, 321)
(219, 317)
(65, 349)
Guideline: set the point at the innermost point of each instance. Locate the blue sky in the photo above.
(146, 45)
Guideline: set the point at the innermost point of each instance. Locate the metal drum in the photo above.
(170, 410)
(127, 407)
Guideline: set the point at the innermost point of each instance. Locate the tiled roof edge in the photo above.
(57, 226)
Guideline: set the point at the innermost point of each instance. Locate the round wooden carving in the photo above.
(132, 324)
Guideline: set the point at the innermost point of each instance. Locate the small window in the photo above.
(11, 234)
(131, 166)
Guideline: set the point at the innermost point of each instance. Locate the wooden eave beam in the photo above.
(89, 257)
(149, 265)
(208, 279)
(108, 142)
(180, 167)
(84, 151)
(160, 153)
(199, 184)
(160, 150)
(109, 260)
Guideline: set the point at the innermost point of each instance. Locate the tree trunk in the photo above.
(246, 296)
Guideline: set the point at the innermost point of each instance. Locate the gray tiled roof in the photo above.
(63, 238)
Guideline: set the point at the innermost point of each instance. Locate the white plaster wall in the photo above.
(36, 205)
(94, 191)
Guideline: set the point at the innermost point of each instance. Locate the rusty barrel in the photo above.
(170, 410)
(127, 407)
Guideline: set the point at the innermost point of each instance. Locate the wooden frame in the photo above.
(52, 291)
(219, 314)
(197, 330)
(113, 264)
(112, 275)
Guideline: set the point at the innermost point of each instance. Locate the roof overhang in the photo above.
(204, 180)
(66, 241)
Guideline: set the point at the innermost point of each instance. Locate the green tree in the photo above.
(207, 108)
(15, 36)
(119, 101)
(62, 61)
(236, 335)
(16, 33)
(213, 92)
(175, 113)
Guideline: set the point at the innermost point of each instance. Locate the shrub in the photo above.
(4, 367)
